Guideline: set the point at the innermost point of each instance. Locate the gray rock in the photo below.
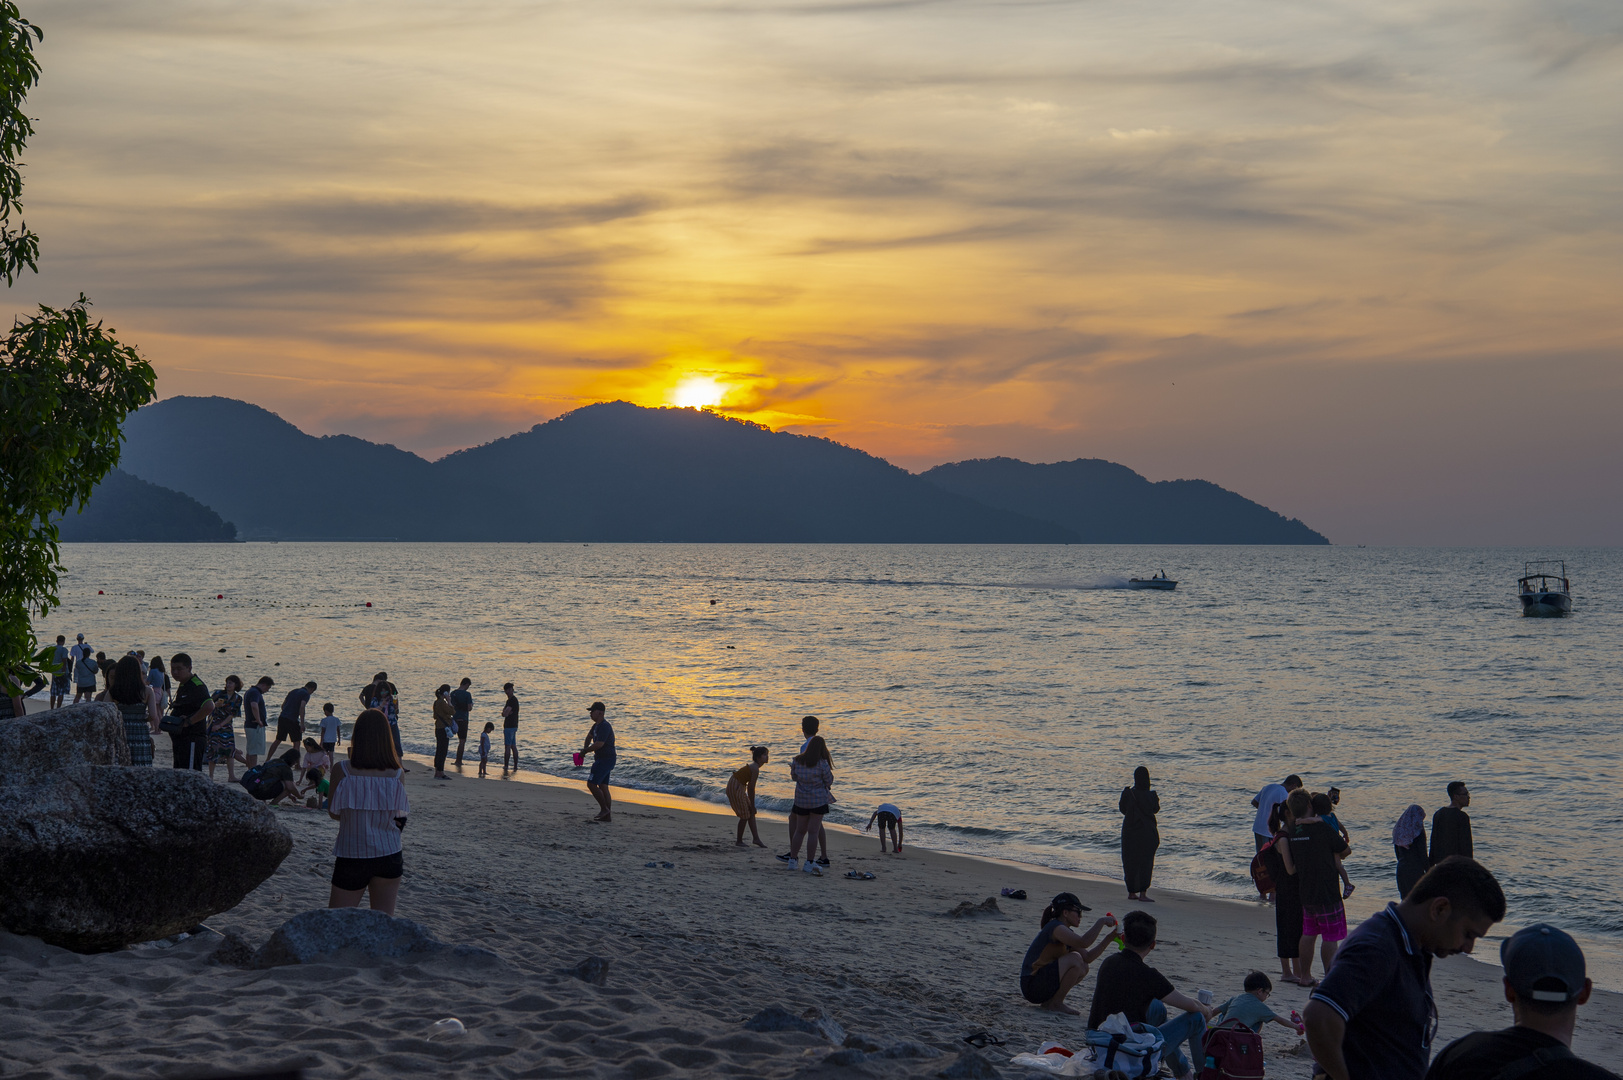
(233, 952)
(907, 1049)
(316, 934)
(813, 1021)
(593, 969)
(846, 1058)
(969, 1066)
(856, 1041)
(96, 855)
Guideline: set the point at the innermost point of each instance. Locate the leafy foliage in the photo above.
(66, 385)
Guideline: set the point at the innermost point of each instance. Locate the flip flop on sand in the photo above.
(859, 875)
(980, 1039)
(1015, 894)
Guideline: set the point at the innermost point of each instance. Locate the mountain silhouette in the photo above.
(1105, 503)
(124, 507)
(620, 472)
(606, 472)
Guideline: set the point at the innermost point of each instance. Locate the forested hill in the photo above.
(125, 507)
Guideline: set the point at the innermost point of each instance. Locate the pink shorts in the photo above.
(1328, 923)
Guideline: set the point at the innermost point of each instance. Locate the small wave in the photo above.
(1478, 716)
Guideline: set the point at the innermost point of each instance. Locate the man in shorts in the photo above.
(510, 727)
(253, 719)
(600, 744)
(462, 710)
(61, 671)
(85, 674)
(290, 724)
(1373, 1016)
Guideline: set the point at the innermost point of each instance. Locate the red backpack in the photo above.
(1233, 1052)
(1260, 874)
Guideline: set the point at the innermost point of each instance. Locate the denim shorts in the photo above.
(510, 737)
(600, 771)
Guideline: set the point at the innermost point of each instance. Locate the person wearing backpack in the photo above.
(1544, 983)
(1269, 869)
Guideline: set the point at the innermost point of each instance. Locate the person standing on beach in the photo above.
(1139, 835)
(462, 711)
(1545, 983)
(809, 727)
(1312, 856)
(1287, 899)
(290, 722)
(1126, 984)
(253, 720)
(741, 793)
(510, 727)
(600, 744)
(85, 674)
(61, 671)
(139, 708)
(1059, 957)
(189, 712)
(1451, 826)
(222, 738)
(370, 807)
(1409, 843)
(813, 776)
(1374, 1017)
(1269, 797)
(444, 724)
(158, 679)
(382, 695)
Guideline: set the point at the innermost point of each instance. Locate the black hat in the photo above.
(1067, 902)
(1543, 963)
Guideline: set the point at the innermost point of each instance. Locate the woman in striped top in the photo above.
(813, 774)
(369, 802)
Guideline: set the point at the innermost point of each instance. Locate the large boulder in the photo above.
(96, 854)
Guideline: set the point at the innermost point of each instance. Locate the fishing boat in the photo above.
(1544, 589)
(1159, 581)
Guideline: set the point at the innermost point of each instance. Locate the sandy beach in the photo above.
(695, 948)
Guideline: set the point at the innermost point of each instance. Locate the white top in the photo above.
(367, 807)
(1268, 798)
(889, 808)
(329, 729)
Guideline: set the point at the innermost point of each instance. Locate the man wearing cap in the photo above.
(1373, 1017)
(1544, 983)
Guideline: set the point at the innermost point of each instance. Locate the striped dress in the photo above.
(367, 807)
(137, 732)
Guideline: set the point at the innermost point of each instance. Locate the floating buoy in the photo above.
(100, 593)
(220, 597)
(712, 603)
(369, 603)
(222, 650)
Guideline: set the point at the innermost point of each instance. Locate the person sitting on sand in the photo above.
(1128, 985)
(1249, 1008)
(741, 793)
(370, 807)
(890, 819)
(1059, 957)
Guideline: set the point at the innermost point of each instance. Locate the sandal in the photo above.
(980, 1039)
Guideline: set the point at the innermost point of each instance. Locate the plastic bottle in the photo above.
(1296, 1018)
(1120, 944)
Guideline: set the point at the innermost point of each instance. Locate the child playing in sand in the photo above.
(1330, 820)
(889, 817)
(1248, 1008)
(315, 756)
(315, 787)
(484, 748)
(741, 793)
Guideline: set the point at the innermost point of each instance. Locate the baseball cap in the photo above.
(1067, 901)
(1543, 963)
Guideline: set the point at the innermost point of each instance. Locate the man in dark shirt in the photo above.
(1544, 983)
(1451, 826)
(290, 722)
(510, 727)
(253, 718)
(1128, 985)
(1373, 1016)
(462, 706)
(190, 707)
(600, 744)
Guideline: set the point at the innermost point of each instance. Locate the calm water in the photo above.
(1001, 696)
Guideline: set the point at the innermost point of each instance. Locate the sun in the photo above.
(697, 392)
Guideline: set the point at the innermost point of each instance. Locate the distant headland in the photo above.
(620, 472)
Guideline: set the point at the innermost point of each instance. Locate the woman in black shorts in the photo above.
(813, 775)
(1059, 957)
(370, 805)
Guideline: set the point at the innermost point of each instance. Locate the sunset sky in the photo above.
(1358, 261)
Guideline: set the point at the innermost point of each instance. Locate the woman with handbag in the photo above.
(1139, 836)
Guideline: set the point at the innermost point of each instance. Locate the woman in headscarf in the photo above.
(1139, 836)
(1409, 841)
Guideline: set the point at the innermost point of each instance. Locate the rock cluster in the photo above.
(326, 932)
(96, 854)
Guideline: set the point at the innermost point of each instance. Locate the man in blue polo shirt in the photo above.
(1373, 1016)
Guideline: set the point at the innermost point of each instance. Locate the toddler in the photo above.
(329, 729)
(1330, 820)
(484, 747)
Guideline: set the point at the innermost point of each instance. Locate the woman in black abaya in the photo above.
(1139, 836)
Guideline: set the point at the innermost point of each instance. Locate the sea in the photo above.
(1001, 696)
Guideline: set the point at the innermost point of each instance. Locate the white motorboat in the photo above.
(1159, 581)
(1544, 589)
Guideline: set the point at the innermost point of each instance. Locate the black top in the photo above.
(189, 697)
(602, 732)
(293, 702)
(1450, 834)
(276, 769)
(1482, 1055)
(1381, 986)
(253, 696)
(1314, 847)
(1126, 985)
(1140, 808)
(511, 719)
(1038, 944)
